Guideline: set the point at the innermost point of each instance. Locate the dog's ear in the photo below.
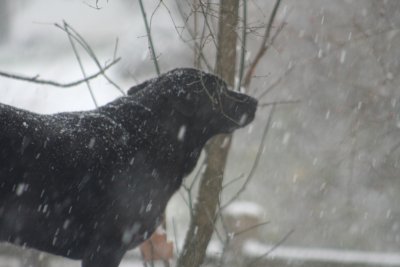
(137, 88)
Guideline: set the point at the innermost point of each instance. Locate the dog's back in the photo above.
(45, 148)
(14, 140)
(49, 169)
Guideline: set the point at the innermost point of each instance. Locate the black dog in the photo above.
(91, 185)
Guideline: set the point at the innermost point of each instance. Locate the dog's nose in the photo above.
(253, 101)
(252, 104)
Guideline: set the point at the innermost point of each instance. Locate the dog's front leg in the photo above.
(103, 255)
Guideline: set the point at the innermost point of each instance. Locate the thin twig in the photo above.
(243, 50)
(189, 189)
(189, 201)
(208, 24)
(274, 247)
(264, 45)
(78, 58)
(198, 48)
(250, 228)
(228, 238)
(116, 48)
(175, 236)
(177, 28)
(196, 61)
(96, 6)
(148, 31)
(282, 102)
(35, 79)
(278, 31)
(256, 160)
(275, 83)
(199, 171)
(233, 181)
(231, 236)
(154, 12)
(80, 40)
(202, 43)
(183, 197)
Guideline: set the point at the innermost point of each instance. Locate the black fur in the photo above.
(90, 185)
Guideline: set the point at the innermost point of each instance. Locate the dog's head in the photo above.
(202, 98)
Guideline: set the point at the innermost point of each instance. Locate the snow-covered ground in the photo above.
(59, 262)
(329, 256)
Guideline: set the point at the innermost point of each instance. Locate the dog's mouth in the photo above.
(242, 110)
(248, 116)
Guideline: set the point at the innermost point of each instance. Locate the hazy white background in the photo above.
(330, 166)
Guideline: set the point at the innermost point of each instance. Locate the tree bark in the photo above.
(203, 219)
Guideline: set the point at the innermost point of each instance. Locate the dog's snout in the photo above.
(253, 102)
(242, 108)
(239, 97)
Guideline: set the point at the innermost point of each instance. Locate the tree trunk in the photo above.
(203, 220)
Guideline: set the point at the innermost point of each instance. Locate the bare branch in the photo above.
(116, 48)
(79, 39)
(228, 238)
(35, 79)
(204, 12)
(243, 50)
(250, 228)
(256, 160)
(264, 45)
(233, 181)
(78, 58)
(231, 236)
(175, 236)
(92, 6)
(271, 249)
(275, 83)
(95, 6)
(198, 45)
(148, 31)
(282, 102)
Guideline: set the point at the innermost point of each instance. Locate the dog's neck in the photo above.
(182, 135)
(126, 113)
(176, 129)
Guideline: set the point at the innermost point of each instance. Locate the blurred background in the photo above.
(329, 169)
